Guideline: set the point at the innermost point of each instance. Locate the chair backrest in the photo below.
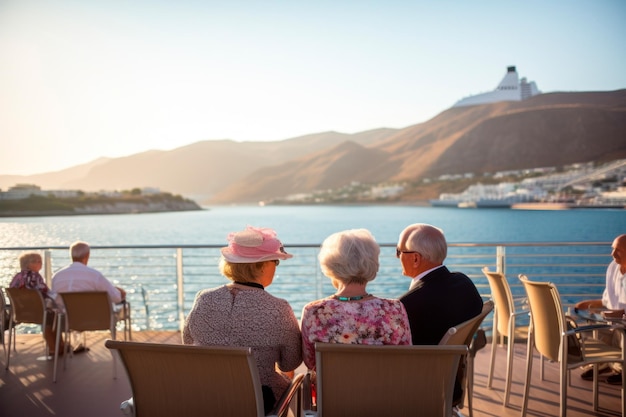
(27, 306)
(503, 298)
(462, 334)
(186, 380)
(547, 317)
(370, 380)
(89, 310)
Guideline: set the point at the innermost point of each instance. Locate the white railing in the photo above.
(161, 281)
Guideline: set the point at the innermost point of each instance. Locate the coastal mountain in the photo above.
(545, 130)
(542, 131)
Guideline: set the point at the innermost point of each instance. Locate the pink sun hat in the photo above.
(254, 244)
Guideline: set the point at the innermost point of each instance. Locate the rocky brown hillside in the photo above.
(546, 130)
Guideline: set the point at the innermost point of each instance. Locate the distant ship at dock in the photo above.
(502, 195)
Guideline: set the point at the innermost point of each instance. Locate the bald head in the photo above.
(618, 252)
(426, 239)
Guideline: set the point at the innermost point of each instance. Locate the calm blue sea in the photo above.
(311, 224)
(299, 281)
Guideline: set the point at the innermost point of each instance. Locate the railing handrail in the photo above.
(578, 267)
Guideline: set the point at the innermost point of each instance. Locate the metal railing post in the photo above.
(500, 259)
(47, 267)
(180, 288)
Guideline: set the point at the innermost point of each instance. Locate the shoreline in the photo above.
(563, 206)
(57, 213)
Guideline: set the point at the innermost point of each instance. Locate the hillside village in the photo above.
(586, 184)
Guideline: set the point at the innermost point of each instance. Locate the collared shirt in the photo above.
(614, 296)
(79, 277)
(416, 280)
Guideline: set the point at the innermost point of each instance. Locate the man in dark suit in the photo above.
(437, 298)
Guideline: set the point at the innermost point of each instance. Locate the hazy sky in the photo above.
(80, 79)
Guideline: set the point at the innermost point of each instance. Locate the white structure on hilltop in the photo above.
(509, 89)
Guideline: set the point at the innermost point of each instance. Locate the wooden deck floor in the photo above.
(87, 387)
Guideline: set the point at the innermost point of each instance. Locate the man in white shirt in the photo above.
(79, 277)
(613, 298)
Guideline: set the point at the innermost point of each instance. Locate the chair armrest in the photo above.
(590, 328)
(282, 405)
(521, 302)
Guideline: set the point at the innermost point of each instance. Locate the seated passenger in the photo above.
(243, 314)
(352, 315)
(30, 278)
(437, 299)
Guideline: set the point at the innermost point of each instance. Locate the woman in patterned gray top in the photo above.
(242, 313)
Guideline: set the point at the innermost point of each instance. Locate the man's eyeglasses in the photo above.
(399, 252)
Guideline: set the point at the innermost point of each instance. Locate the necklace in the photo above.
(355, 298)
(250, 284)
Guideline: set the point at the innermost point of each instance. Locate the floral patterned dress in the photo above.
(371, 321)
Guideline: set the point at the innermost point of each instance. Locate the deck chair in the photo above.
(86, 311)
(374, 380)
(122, 314)
(27, 307)
(463, 334)
(5, 317)
(185, 380)
(505, 324)
(549, 335)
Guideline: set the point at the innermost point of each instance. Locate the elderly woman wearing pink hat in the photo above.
(242, 313)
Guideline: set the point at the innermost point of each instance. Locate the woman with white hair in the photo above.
(352, 315)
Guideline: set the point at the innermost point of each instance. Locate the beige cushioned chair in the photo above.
(27, 307)
(368, 380)
(549, 335)
(185, 380)
(505, 324)
(86, 311)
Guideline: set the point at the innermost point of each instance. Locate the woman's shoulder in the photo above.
(322, 302)
(388, 303)
(273, 299)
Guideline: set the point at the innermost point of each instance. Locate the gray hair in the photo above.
(426, 239)
(79, 250)
(350, 256)
(28, 258)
